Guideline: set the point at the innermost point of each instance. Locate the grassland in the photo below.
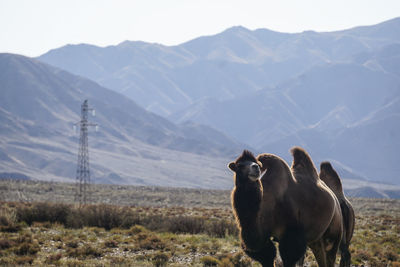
(150, 226)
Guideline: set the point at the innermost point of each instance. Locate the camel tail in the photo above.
(300, 156)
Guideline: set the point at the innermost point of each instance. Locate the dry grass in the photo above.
(176, 231)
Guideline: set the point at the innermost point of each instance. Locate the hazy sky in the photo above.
(32, 27)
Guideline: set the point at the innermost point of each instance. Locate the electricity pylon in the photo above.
(82, 194)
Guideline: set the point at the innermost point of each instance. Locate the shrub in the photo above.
(5, 243)
(12, 228)
(71, 262)
(160, 259)
(8, 221)
(220, 228)
(151, 242)
(72, 244)
(240, 260)
(53, 258)
(104, 216)
(7, 217)
(361, 256)
(91, 251)
(84, 252)
(27, 237)
(391, 256)
(184, 224)
(110, 244)
(141, 257)
(27, 249)
(209, 261)
(225, 262)
(43, 212)
(136, 229)
(24, 260)
(129, 219)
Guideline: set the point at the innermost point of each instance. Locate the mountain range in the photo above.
(335, 93)
(236, 62)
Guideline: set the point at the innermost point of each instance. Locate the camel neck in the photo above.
(246, 199)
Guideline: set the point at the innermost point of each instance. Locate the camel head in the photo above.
(246, 167)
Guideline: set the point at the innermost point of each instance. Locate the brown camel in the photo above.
(278, 206)
(324, 204)
(332, 179)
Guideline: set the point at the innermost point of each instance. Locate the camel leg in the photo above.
(292, 246)
(300, 263)
(265, 256)
(318, 250)
(345, 259)
(331, 240)
(345, 256)
(331, 257)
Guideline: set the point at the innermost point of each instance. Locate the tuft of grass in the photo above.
(239, 259)
(84, 252)
(53, 259)
(209, 261)
(110, 244)
(8, 220)
(5, 243)
(27, 249)
(24, 260)
(72, 244)
(151, 242)
(136, 229)
(160, 259)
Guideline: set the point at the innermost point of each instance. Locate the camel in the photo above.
(276, 206)
(332, 179)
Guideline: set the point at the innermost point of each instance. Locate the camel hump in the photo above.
(302, 165)
(301, 157)
(327, 168)
(329, 175)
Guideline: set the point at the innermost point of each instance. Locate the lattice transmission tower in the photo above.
(82, 193)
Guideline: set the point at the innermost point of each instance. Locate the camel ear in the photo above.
(232, 166)
(260, 164)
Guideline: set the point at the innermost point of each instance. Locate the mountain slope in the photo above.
(39, 104)
(369, 147)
